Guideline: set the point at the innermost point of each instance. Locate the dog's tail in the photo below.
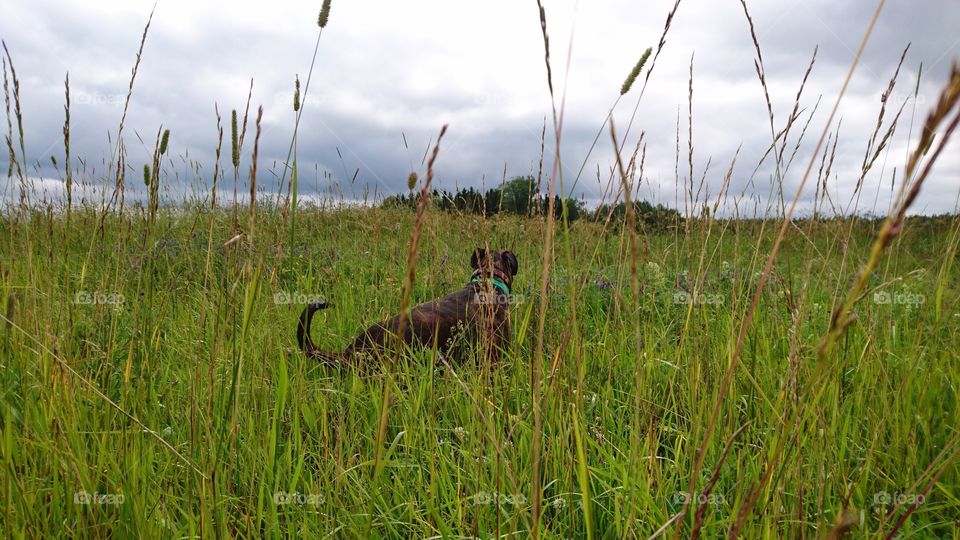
(303, 334)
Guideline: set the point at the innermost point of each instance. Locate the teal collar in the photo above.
(496, 283)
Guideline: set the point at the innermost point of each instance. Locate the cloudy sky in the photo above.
(388, 75)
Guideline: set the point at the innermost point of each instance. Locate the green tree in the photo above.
(519, 194)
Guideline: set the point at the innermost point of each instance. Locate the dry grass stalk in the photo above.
(235, 160)
(402, 326)
(18, 113)
(893, 225)
(298, 103)
(764, 275)
(761, 74)
(246, 115)
(796, 103)
(653, 64)
(874, 149)
(12, 161)
(119, 179)
(216, 161)
(66, 145)
(253, 175)
(536, 503)
(688, 198)
(630, 226)
(237, 133)
(636, 107)
(415, 238)
(546, 46)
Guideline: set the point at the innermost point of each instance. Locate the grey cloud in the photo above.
(384, 71)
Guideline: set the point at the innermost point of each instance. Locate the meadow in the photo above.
(674, 372)
(194, 339)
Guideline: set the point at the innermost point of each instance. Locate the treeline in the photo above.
(646, 215)
(521, 197)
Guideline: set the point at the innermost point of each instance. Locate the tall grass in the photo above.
(763, 378)
(454, 462)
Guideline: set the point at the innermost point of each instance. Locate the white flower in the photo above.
(654, 274)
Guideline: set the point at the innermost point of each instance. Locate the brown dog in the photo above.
(479, 311)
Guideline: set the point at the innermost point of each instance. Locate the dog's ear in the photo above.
(511, 261)
(478, 255)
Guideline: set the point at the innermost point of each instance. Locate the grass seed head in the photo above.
(324, 14)
(164, 141)
(412, 181)
(146, 175)
(296, 94)
(635, 71)
(233, 139)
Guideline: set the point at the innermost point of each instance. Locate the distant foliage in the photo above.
(649, 217)
(521, 197)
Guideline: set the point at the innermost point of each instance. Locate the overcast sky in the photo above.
(386, 70)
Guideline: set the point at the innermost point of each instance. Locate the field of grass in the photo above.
(686, 378)
(121, 331)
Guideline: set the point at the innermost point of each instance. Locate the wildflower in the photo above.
(726, 270)
(654, 274)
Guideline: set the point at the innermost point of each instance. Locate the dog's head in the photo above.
(499, 263)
